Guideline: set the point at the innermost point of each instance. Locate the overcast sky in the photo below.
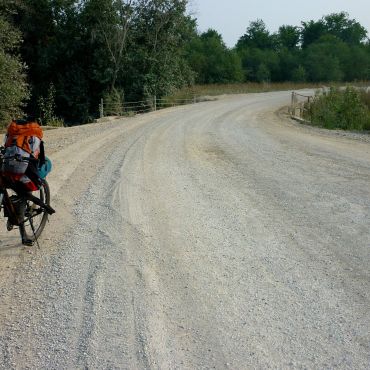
(231, 17)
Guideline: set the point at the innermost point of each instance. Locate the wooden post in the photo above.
(101, 108)
(155, 103)
(292, 107)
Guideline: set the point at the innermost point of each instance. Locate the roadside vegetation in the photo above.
(58, 59)
(347, 109)
(190, 92)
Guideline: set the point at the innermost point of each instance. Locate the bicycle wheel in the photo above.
(34, 216)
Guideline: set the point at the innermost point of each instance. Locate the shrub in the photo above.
(47, 109)
(340, 109)
(113, 103)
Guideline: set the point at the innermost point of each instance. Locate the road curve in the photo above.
(218, 235)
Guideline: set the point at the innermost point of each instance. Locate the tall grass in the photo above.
(347, 109)
(201, 91)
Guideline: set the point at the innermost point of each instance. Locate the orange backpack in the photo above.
(19, 134)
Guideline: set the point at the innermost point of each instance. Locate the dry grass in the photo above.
(246, 88)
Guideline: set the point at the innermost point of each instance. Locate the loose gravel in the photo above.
(219, 235)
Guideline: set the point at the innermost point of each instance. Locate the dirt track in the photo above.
(219, 235)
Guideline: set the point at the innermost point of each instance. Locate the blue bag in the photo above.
(44, 169)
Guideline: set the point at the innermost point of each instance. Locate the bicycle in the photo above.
(29, 212)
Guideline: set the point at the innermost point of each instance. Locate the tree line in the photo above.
(58, 58)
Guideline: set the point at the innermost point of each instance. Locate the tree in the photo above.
(323, 59)
(345, 29)
(288, 37)
(312, 31)
(299, 74)
(213, 62)
(257, 36)
(13, 86)
(263, 73)
(252, 58)
(157, 58)
(110, 22)
(336, 24)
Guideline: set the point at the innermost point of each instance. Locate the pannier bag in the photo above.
(22, 141)
(22, 144)
(45, 168)
(15, 161)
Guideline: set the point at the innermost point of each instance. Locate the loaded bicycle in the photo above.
(28, 211)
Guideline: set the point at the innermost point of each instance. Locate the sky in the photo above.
(232, 17)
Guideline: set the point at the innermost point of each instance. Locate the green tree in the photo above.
(212, 61)
(323, 60)
(252, 58)
(356, 63)
(257, 36)
(13, 86)
(345, 29)
(312, 31)
(263, 73)
(157, 65)
(109, 24)
(336, 24)
(299, 74)
(288, 37)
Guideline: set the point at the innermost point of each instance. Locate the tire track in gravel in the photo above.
(26, 283)
(211, 236)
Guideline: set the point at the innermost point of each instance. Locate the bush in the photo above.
(365, 97)
(340, 109)
(113, 103)
(47, 109)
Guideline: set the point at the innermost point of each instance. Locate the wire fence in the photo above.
(121, 109)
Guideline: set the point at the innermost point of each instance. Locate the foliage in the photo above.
(257, 36)
(333, 48)
(288, 37)
(13, 86)
(340, 109)
(137, 49)
(299, 74)
(323, 59)
(47, 109)
(214, 63)
(113, 103)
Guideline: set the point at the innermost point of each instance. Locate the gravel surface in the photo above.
(218, 235)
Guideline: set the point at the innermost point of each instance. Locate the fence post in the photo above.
(194, 99)
(155, 103)
(101, 108)
(292, 104)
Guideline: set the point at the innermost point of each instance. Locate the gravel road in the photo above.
(218, 235)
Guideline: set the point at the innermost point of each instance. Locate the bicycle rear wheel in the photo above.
(35, 217)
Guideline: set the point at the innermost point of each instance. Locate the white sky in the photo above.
(231, 17)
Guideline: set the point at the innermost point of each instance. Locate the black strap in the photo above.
(42, 154)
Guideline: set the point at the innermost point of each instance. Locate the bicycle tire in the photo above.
(25, 228)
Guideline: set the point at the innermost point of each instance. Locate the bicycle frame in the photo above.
(8, 205)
